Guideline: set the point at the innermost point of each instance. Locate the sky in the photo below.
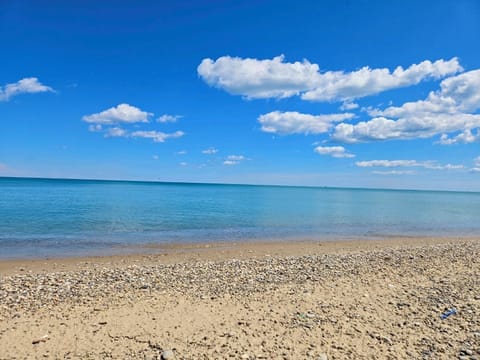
(378, 94)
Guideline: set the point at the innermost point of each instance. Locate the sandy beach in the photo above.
(377, 299)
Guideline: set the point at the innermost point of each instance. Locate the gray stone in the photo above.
(168, 355)
(322, 356)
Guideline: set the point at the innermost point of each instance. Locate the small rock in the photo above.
(167, 355)
(322, 356)
(42, 339)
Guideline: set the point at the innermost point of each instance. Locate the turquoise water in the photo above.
(47, 217)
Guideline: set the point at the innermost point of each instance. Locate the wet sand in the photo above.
(375, 299)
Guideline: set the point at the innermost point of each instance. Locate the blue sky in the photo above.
(330, 93)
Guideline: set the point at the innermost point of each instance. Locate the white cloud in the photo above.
(338, 85)
(127, 115)
(257, 79)
(210, 151)
(156, 136)
(394, 172)
(348, 105)
(29, 85)
(292, 122)
(477, 161)
(183, 163)
(181, 152)
(155, 157)
(476, 165)
(464, 137)
(123, 113)
(274, 78)
(432, 165)
(95, 128)
(334, 151)
(116, 132)
(169, 118)
(234, 159)
(387, 163)
(447, 110)
(450, 167)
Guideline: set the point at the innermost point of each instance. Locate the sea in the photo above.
(43, 218)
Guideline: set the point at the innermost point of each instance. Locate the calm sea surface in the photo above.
(44, 217)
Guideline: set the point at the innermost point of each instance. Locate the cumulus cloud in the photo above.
(210, 151)
(129, 117)
(156, 136)
(165, 118)
(448, 110)
(348, 105)
(334, 151)
(256, 79)
(116, 132)
(234, 159)
(464, 137)
(274, 78)
(292, 122)
(29, 85)
(338, 85)
(433, 165)
(123, 113)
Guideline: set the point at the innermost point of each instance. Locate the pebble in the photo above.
(167, 355)
(27, 292)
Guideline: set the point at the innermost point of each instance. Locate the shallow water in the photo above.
(50, 217)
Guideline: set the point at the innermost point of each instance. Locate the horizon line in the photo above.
(235, 184)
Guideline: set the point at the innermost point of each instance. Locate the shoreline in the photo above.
(169, 253)
(299, 300)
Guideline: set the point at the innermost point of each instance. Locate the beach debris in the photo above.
(322, 356)
(44, 338)
(448, 313)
